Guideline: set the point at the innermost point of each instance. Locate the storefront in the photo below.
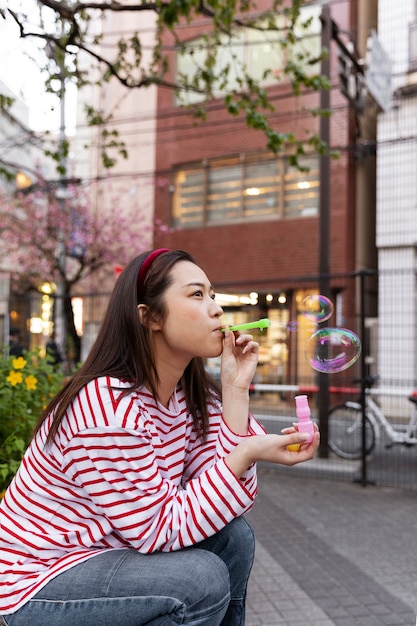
(282, 345)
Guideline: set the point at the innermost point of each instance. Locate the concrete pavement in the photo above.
(332, 553)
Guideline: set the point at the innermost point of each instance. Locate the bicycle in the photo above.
(345, 426)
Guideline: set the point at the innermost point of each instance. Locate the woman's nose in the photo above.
(218, 311)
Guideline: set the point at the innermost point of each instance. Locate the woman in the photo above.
(128, 505)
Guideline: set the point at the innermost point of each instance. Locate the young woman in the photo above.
(127, 508)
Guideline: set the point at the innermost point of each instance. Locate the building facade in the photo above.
(396, 198)
(250, 218)
(17, 157)
(128, 185)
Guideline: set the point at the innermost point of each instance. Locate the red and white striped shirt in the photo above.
(122, 472)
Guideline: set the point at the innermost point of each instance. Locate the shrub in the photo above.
(27, 383)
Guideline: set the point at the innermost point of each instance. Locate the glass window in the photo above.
(224, 193)
(188, 62)
(230, 56)
(191, 61)
(260, 53)
(243, 188)
(188, 199)
(261, 193)
(302, 189)
(263, 55)
(308, 45)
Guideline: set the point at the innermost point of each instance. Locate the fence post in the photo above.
(363, 370)
(364, 481)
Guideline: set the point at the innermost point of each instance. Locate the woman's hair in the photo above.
(123, 348)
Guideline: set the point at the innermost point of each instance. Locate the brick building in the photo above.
(250, 219)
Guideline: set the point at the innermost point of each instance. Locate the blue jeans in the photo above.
(203, 585)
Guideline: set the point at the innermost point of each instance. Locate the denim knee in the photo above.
(241, 539)
(235, 545)
(208, 589)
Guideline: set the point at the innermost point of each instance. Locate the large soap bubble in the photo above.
(331, 350)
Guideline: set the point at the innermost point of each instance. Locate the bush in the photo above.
(27, 384)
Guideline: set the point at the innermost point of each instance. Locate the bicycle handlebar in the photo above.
(368, 381)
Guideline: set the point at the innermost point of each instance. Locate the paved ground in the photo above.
(332, 552)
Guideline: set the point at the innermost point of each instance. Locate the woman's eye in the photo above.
(198, 293)
(213, 296)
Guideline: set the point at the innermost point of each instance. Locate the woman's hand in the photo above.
(272, 449)
(239, 359)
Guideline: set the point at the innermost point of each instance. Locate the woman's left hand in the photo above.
(239, 359)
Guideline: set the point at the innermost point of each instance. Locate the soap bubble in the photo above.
(331, 350)
(292, 326)
(317, 308)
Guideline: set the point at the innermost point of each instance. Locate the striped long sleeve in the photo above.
(122, 472)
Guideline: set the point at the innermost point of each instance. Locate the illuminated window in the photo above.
(189, 198)
(301, 190)
(248, 187)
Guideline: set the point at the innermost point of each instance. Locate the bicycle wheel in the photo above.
(345, 432)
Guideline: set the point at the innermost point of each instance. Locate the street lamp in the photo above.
(61, 195)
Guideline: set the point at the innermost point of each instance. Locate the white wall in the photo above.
(397, 206)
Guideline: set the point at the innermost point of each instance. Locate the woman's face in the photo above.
(192, 323)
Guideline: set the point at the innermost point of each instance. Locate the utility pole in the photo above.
(324, 221)
(352, 86)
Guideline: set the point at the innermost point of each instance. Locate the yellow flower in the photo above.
(31, 382)
(14, 378)
(19, 363)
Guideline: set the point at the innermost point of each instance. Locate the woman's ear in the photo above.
(145, 318)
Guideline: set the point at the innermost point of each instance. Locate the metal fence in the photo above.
(389, 464)
(380, 308)
(380, 385)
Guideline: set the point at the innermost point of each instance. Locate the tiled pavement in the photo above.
(332, 553)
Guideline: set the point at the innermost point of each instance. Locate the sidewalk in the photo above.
(332, 553)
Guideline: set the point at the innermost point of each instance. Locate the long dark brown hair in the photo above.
(123, 348)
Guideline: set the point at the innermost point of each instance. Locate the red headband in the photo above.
(144, 268)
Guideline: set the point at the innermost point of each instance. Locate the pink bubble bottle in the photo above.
(302, 410)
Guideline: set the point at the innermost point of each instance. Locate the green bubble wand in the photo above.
(262, 323)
